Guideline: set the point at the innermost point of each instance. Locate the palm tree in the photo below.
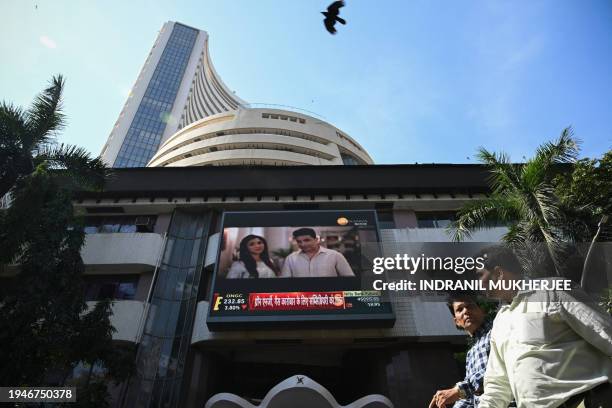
(28, 139)
(523, 198)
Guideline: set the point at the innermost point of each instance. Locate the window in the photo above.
(115, 287)
(349, 160)
(123, 224)
(435, 219)
(384, 213)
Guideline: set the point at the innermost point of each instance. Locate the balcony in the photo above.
(126, 319)
(121, 252)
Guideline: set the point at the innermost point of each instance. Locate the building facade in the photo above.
(176, 86)
(180, 113)
(153, 238)
(260, 136)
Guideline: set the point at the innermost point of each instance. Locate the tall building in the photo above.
(180, 113)
(176, 86)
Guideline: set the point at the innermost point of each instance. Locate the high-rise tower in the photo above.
(180, 113)
(176, 86)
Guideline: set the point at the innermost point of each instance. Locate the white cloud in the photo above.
(47, 42)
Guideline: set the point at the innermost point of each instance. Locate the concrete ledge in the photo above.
(126, 319)
(121, 252)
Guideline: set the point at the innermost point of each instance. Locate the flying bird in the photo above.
(331, 16)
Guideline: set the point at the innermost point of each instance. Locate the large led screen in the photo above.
(295, 269)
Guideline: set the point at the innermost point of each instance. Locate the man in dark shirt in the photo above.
(470, 317)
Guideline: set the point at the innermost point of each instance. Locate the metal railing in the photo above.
(259, 105)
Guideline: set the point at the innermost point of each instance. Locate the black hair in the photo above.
(502, 256)
(245, 256)
(304, 231)
(460, 297)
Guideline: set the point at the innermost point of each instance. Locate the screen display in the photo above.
(304, 267)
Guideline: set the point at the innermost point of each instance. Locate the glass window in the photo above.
(126, 290)
(349, 160)
(435, 219)
(91, 229)
(114, 287)
(127, 224)
(160, 93)
(128, 228)
(385, 218)
(111, 227)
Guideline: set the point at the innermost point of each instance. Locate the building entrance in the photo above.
(406, 373)
(254, 372)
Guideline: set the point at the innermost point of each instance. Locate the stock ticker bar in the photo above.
(295, 301)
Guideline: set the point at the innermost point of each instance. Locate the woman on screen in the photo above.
(253, 260)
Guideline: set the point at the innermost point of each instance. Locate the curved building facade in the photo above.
(258, 136)
(208, 95)
(180, 113)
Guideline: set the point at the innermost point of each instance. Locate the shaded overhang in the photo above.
(294, 180)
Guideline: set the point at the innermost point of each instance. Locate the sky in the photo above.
(425, 81)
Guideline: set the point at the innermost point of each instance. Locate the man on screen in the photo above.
(313, 260)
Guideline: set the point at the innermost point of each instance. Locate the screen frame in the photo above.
(340, 321)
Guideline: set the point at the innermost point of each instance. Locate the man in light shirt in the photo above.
(313, 260)
(549, 349)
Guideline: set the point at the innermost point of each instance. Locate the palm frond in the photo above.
(548, 204)
(515, 235)
(76, 163)
(45, 116)
(503, 173)
(481, 214)
(12, 126)
(14, 158)
(564, 150)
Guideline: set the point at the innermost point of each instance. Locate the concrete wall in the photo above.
(126, 319)
(121, 252)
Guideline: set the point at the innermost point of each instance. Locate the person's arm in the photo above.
(342, 266)
(497, 391)
(286, 271)
(587, 320)
(463, 403)
(443, 398)
(236, 271)
(473, 382)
